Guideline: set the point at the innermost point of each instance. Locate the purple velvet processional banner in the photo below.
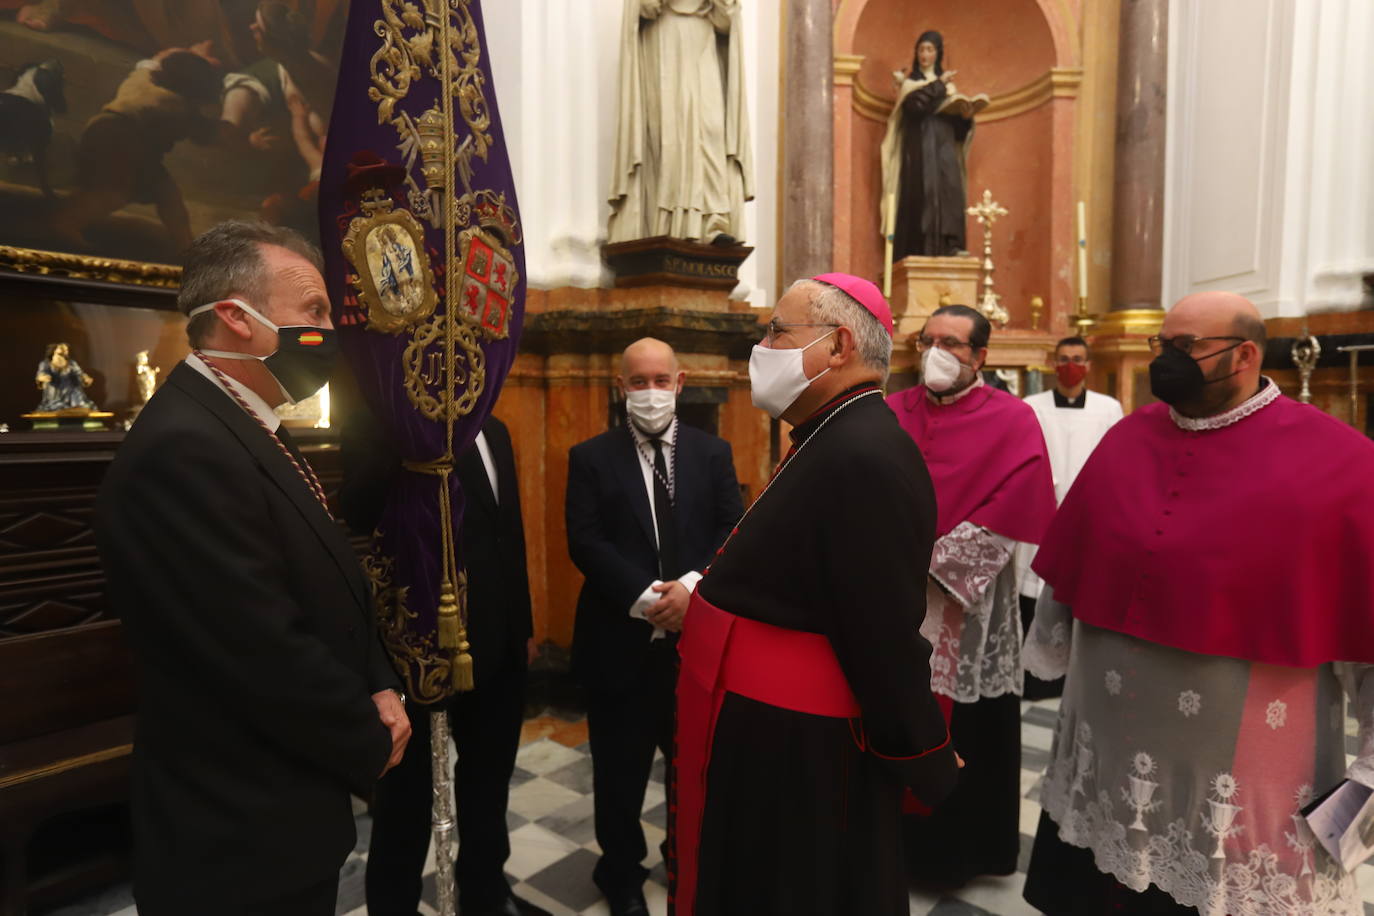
(425, 265)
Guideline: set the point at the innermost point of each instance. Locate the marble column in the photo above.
(808, 156)
(1142, 87)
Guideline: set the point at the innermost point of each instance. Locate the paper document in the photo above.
(1343, 822)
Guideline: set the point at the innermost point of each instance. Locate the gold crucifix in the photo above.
(987, 213)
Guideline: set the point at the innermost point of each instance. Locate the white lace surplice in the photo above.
(973, 619)
(1187, 771)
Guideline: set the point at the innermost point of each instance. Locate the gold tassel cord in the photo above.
(452, 622)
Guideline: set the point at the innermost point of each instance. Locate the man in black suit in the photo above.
(265, 694)
(485, 723)
(648, 504)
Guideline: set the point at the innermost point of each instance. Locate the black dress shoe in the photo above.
(628, 903)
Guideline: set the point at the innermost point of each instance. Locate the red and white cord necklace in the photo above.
(303, 468)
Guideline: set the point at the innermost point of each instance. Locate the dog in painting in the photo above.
(26, 111)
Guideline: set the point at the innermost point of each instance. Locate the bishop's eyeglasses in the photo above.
(1184, 343)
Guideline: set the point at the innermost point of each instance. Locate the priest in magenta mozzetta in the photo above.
(994, 489)
(804, 703)
(1209, 594)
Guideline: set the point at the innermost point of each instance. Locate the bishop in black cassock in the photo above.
(804, 703)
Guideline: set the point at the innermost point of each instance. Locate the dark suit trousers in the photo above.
(624, 727)
(486, 730)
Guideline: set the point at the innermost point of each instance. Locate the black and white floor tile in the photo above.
(553, 848)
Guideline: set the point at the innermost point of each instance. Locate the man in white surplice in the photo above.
(683, 165)
(1073, 420)
(1208, 593)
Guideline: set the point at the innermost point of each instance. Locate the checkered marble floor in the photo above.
(553, 848)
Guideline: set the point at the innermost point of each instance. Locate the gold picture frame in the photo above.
(34, 262)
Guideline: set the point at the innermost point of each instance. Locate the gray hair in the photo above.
(226, 261)
(832, 305)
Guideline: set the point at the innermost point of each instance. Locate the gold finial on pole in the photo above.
(1306, 351)
(1037, 308)
(987, 212)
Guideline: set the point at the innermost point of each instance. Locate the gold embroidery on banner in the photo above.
(488, 284)
(426, 370)
(407, 43)
(443, 364)
(387, 250)
(424, 668)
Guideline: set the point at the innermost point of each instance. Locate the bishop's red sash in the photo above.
(721, 653)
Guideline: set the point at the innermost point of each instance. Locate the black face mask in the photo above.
(304, 358)
(1176, 378)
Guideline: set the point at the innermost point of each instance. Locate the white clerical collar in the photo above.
(1268, 394)
(944, 400)
(250, 397)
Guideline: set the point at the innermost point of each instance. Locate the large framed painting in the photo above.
(129, 126)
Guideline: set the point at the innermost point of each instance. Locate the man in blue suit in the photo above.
(648, 504)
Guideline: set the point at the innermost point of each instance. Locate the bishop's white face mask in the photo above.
(651, 409)
(940, 370)
(776, 377)
(304, 358)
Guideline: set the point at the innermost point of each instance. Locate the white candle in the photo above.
(1082, 253)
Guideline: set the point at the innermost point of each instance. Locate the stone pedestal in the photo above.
(677, 264)
(1016, 348)
(1121, 355)
(920, 285)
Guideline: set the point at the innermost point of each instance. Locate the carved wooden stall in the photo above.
(68, 699)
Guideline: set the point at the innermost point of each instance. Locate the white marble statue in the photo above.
(683, 165)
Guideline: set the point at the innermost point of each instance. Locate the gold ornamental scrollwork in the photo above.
(469, 83)
(407, 45)
(426, 369)
(392, 273)
(425, 669)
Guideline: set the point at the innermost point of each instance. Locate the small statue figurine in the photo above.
(146, 376)
(925, 157)
(62, 382)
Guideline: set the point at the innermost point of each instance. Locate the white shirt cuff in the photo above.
(647, 599)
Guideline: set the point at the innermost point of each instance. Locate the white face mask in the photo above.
(940, 370)
(651, 409)
(776, 377)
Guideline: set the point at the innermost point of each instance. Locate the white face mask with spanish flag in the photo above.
(304, 358)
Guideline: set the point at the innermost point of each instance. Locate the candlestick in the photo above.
(987, 213)
(1082, 252)
(889, 233)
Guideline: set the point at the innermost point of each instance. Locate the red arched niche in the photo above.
(993, 53)
(997, 47)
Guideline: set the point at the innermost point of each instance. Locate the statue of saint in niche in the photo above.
(925, 157)
(683, 165)
(145, 373)
(61, 381)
